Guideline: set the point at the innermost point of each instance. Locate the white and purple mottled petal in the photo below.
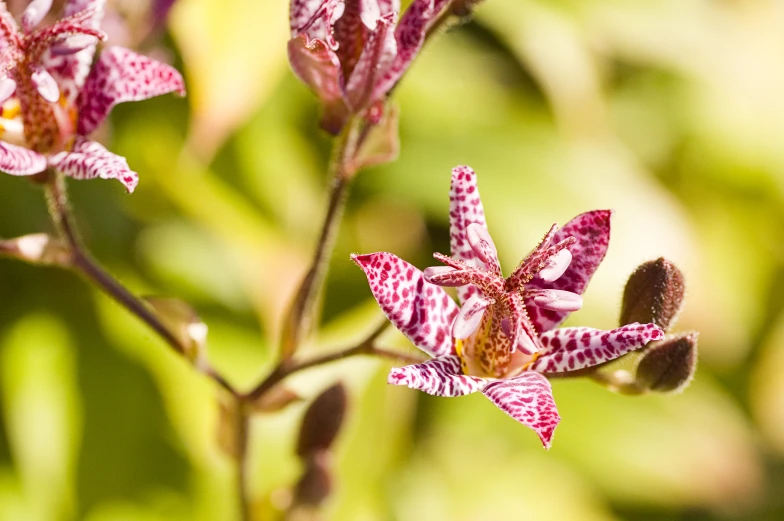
(315, 19)
(439, 376)
(377, 54)
(470, 315)
(420, 310)
(573, 348)
(121, 75)
(73, 44)
(88, 160)
(410, 35)
(70, 70)
(465, 208)
(528, 399)
(592, 233)
(16, 160)
(34, 13)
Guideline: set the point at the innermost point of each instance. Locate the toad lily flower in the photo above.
(505, 338)
(52, 99)
(351, 53)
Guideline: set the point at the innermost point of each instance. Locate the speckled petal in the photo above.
(70, 71)
(318, 67)
(420, 310)
(439, 377)
(315, 19)
(121, 75)
(592, 233)
(16, 160)
(88, 160)
(410, 35)
(572, 348)
(377, 54)
(465, 208)
(528, 399)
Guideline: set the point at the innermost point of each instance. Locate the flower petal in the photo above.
(121, 75)
(16, 160)
(410, 35)
(440, 377)
(556, 266)
(592, 233)
(573, 348)
(315, 19)
(318, 67)
(377, 54)
(88, 160)
(528, 399)
(470, 315)
(70, 71)
(465, 208)
(420, 310)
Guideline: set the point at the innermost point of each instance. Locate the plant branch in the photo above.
(242, 437)
(82, 262)
(299, 316)
(367, 346)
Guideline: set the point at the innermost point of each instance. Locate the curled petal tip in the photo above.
(435, 272)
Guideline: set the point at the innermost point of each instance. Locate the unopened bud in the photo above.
(669, 365)
(463, 8)
(315, 485)
(38, 248)
(654, 293)
(322, 421)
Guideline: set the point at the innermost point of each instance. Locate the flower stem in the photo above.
(242, 437)
(82, 262)
(298, 319)
(287, 368)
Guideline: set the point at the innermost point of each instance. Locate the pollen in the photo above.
(11, 108)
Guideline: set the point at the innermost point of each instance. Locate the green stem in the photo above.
(83, 263)
(298, 319)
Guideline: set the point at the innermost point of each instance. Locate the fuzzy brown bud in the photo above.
(322, 421)
(669, 365)
(653, 293)
(315, 485)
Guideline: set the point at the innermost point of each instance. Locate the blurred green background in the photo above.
(671, 112)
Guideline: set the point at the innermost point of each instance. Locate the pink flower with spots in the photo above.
(52, 98)
(505, 337)
(351, 53)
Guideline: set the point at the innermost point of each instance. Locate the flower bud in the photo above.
(669, 365)
(38, 248)
(654, 293)
(315, 485)
(322, 421)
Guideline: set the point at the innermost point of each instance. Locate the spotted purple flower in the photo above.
(52, 98)
(351, 53)
(505, 337)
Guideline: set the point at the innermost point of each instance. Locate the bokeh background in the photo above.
(671, 112)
